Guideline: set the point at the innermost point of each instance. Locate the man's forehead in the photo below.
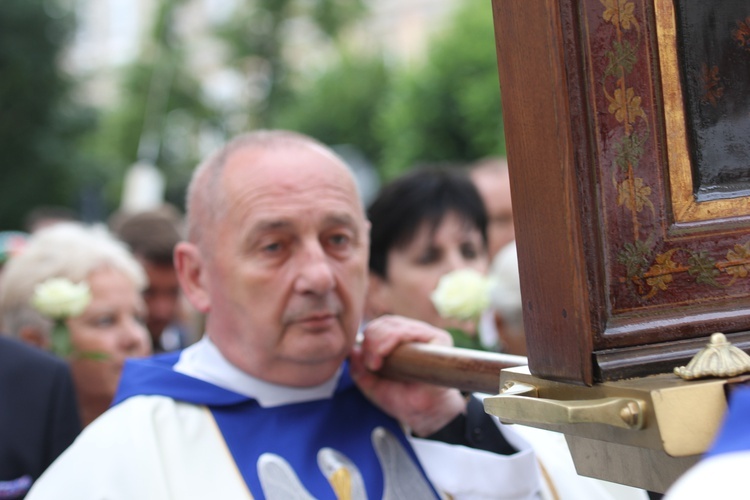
(294, 175)
(270, 222)
(303, 154)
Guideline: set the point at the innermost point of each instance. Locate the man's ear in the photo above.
(33, 336)
(377, 302)
(191, 272)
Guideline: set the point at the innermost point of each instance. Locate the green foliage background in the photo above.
(39, 122)
(445, 108)
(341, 105)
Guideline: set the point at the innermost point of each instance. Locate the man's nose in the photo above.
(315, 274)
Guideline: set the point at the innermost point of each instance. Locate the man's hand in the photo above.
(423, 407)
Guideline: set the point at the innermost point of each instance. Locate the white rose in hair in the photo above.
(61, 298)
(461, 294)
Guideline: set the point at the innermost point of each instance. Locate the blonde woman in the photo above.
(99, 324)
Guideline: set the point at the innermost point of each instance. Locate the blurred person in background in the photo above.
(425, 224)
(490, 176)
(11, 244)
(506, 305)
(47, 215)
(75, 290)
(152, 236)
(38, 414)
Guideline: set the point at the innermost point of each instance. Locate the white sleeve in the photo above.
(721, 476)
(139, 450)
(467, 473)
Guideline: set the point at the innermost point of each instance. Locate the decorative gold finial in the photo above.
(718, 359)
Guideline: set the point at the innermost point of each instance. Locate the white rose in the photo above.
(461, 294)
(61, 298)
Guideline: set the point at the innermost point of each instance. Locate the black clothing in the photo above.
(38, 414)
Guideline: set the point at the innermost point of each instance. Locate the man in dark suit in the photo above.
(38, 414)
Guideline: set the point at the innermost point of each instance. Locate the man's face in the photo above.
(161, 296)
(286, 265)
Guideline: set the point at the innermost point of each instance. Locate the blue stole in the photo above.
(734, 434)
(295, 432)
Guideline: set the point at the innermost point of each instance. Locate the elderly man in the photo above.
(277, 401)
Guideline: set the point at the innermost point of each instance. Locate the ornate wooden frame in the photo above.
(623, 273)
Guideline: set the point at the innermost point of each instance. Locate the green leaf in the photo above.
(622, 57)
(93, 355)
(464, 340)
(636, 257)
(629, 151)
(703, 268)
(61, 344)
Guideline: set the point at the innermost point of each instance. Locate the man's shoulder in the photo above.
(156, 376)
(146, 447)
(156, 409)
(17, 358)
(137, 421)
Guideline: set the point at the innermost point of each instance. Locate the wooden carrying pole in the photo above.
(464, 369)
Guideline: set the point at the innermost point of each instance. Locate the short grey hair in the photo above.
(205, 204)
(65, 250)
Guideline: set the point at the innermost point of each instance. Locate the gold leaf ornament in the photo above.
(626, 106)
(619, 12)
(739, 257)
(634, 198)
(659, 276)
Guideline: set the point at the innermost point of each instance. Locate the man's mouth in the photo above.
(317, 321)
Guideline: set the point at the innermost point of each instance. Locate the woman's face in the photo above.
(109, 330)
(414, 270)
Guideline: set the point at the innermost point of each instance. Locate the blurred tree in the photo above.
(447, 110)
(159, 116)
(339, 106)
(259, 38)
(39, 121)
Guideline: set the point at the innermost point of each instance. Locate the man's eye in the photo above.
(272, 247)
(339, 240)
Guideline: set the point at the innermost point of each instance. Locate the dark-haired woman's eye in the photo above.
(429, 256)
(469, 251)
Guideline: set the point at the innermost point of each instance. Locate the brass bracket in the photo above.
(518, 403)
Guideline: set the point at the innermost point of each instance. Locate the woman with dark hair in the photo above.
(424, 225)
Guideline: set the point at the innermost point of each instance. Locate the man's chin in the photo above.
(310, 372)
(319, 348)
